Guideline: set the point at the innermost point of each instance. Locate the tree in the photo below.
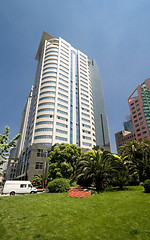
(63, 160)
(138, 154)
(5, 145)
(96, 167)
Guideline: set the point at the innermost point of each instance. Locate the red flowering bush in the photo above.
(78, 193)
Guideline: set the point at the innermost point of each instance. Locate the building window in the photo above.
(43, 153)
(43, 137)
(61, 124)
(61, 138)
(144, 132)
(62, 112)
(88, 138)
(43, 129)
(61, 131)
(39, 165)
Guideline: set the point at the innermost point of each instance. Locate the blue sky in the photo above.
(115, 33)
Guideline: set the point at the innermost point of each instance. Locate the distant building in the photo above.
(100, 117)
(123, 137)
(128, 125)
(139, 104)
(10, 173)
(64, 105)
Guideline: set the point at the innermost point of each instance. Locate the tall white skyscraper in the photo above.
(62, 104)
(61, 108)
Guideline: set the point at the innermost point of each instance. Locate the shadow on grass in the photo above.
(113, 189)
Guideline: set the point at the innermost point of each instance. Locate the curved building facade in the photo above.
(62, 104)
(64, 108)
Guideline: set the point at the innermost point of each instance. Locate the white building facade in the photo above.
(59, 107)
(62, 103)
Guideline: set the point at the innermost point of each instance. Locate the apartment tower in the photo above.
(61, 106)
(139, 104)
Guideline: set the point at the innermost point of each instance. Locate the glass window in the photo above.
(62, 106)
(62, 118)
(47, 92)
(53, 87)
(46, 103)
(39, 165)
(84, 99)
(45, 109)
(43, 129)
(144, 132)
(61, 131)
(43, 137)
(61, 100)
(23, 185)
(84, 114)
(63, 85)
(61, 138)
(62, 95)
(63, 90)
(44, 98)
(61, 124)
(45, 116)
(44, 122)
(88, 138)
(83, 119)
(86, 144)
(59, 111)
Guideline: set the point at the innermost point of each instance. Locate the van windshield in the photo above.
(29, 185)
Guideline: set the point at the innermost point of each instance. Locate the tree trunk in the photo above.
(99, 185)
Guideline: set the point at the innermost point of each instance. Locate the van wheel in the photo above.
(12, 193)
(32, 192)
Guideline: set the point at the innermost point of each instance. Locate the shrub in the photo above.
(146, 185)
(37, 181)
(58, 185)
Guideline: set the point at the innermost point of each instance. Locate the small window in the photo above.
(23, 185)
(140, 118)
(39, 165)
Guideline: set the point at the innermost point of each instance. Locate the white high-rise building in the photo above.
(61, 107)
(62, 104)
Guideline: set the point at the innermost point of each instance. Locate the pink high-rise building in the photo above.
(139, 104)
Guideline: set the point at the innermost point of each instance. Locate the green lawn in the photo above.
(118, 215)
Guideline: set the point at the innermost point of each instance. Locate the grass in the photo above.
(115, 215)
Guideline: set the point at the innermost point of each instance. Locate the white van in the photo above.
(18, 187)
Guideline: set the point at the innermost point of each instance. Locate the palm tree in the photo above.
(138, 153)
(95, 166)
